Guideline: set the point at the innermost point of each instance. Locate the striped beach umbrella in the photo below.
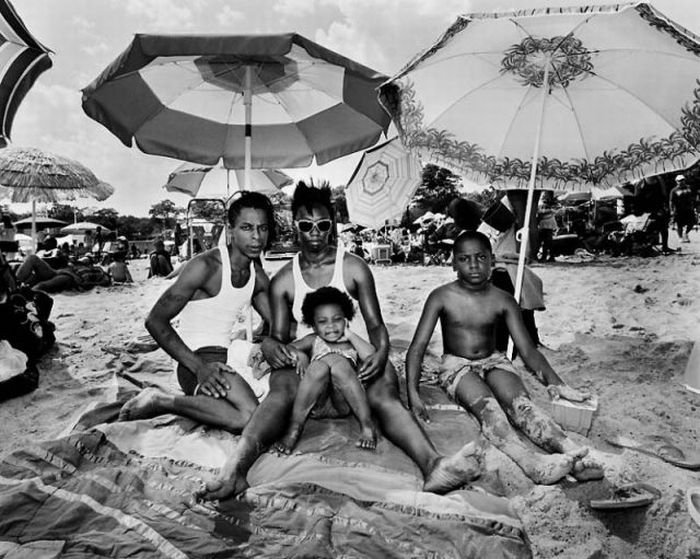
(22, 60)
(204, 181)
(385, 180)
(245, 101)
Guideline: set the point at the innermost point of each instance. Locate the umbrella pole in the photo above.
(248, 103)
(524, 234)
(34, 242)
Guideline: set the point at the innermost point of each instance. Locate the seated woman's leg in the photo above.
(312, 385)
(441, 473)
(344, 378)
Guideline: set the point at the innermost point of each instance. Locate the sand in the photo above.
(622, 328)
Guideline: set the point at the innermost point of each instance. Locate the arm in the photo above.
(363, 348)
(416, 351)
(273, 346)
(369, 307)
(129, 279)
(301, 350)
(261, 298)
(168, 307)
(533, 358)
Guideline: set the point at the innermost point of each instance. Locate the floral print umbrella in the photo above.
(596, 95)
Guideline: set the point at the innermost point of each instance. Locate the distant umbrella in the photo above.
(32, 175)
(22, 60)
(46, 222)
(83, 226)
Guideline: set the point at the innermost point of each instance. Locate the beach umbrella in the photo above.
(39, 221)
(382, 185)
(84, 227)
(22, 60)
(204, 181)
(245, 101)
(595, 95)
(33, 175)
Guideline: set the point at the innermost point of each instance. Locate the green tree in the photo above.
(65, 212)
(438, 188)
(164, 213)
(106, 217)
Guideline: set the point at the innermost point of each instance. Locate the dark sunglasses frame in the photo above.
(306, 225)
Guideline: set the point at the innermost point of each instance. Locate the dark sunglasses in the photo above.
(306, 225)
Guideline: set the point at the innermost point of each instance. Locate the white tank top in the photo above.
(211, 321)
(301, 289)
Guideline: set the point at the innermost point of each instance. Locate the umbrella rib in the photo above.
(512, 121)
(578, 122)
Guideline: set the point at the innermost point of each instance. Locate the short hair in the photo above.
(310, 195)
(256, 201)
(326, 296)
(477, 236)
(466, 213)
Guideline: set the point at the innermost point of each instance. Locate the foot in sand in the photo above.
(223, 488)
(144, 405)
(368, 438)
(587, 468)
(451, 472)
(547, 469)
(287, 443)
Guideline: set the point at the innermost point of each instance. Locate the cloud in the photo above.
(165, 14)
(295, 7)
(227, 16)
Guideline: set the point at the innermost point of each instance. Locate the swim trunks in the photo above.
(453, 368)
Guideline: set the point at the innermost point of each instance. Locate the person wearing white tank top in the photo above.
(320, 263)
(207, 296)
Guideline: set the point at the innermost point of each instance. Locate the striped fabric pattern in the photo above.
(22, 60)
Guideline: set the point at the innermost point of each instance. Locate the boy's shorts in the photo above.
(453, 368)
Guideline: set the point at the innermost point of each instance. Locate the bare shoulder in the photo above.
(356, 265)
(283, 277)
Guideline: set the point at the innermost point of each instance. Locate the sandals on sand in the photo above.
(693, 501)
(627, 496)
(660, 447)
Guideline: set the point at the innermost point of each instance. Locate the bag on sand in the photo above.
(17, 376)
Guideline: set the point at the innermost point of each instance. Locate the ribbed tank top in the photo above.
(301, 288)
(210, 322)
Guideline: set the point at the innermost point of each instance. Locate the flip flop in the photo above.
(693, 500)
(661, 448)
(627, 496)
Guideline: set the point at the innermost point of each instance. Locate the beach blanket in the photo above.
(125, 489)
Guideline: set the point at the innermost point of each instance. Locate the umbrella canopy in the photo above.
(247, 101)
(82, 227)
(594, 95)
(621, 99)
(203, 181)
(32, 175)
(22, 60)
(40, 222)
(382, 185)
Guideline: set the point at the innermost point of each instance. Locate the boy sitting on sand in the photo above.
(328, 359)
(482, 379)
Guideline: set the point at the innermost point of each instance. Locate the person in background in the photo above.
(546, 226)
(160, 264)
(682, 204)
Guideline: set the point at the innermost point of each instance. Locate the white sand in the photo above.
(622, 328)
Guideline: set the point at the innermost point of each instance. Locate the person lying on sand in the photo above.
(38, 274)
(482, 379)
(319, 263)
(326, 362)
(207, 295)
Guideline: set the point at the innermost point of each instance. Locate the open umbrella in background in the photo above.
(84, 227)
(33, 175)
(22, 60)
(203, 181)
(595, 95)
(245, 101)
(382, 185)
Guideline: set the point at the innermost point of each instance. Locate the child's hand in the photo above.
(557, 391)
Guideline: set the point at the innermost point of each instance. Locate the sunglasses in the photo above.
(306, 225)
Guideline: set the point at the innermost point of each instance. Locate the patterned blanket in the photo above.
(112, 489)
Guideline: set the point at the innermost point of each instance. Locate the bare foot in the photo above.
(368, 438)
(453, 471)
(145, 404)
(587, 468)
(223, 488)
(546, 469)
(289, 441)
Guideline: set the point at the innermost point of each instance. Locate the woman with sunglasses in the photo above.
(321, 262)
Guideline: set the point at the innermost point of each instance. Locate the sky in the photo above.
(86, 35)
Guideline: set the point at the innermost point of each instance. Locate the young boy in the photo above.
(482, 379)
